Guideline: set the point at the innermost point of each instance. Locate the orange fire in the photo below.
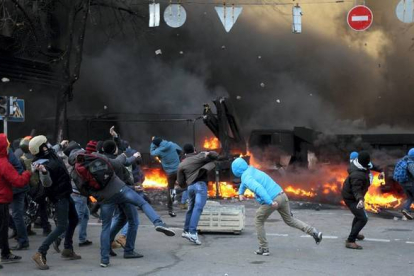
(227, 190)
(299, 192)
(375, 200)
(155, 178)
(211, 143)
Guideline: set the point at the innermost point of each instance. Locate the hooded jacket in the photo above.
(262, 185)
(17, 164)
(9, 177)
(168, 152)
(195, 167)
(357, 183)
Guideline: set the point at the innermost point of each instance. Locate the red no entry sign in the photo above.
(360, 18)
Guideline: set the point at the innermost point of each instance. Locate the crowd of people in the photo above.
(66, 176)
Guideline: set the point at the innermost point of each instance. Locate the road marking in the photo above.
(409, 242)
(275, 234)
(377, 240)
(325, 237)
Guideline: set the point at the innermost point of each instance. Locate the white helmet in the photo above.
(35, 143)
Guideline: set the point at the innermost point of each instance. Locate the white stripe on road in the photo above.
(360, 18)
(325, 237)
(409, 242)
(377, 240)
(275, 234)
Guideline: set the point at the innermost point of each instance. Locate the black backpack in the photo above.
(95, 170)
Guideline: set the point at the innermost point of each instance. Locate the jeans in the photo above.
(4, 229)
(409, 192)
(127, 212)
(184, 197)
(81, 205)
(360, 219)
(67, 219)
(17, 207)
(44, 220)
(197, 195)
(264, 211)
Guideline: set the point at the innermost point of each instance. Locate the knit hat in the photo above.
(188, 148)
(353, 155)
(157, 141)
(91, 146)
(109, 147)
(411, 152)
(364, 159)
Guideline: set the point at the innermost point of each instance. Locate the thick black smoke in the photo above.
(328, 78)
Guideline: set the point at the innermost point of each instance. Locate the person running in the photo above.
(353, 192)
(272, 198)
(9, 178)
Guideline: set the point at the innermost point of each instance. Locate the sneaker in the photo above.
(262, 251)
(194, 238)
(352, 245)
(121, 240)
(360, 237)
(40, 261)
(407, 214)
(56, 244)
(132, 255)
(172, 214)
(85, 243)
(185, 235)
(19, 247)
(317, 236)
(104, 264)
(10, 259)
(163, 228)
(70, 254)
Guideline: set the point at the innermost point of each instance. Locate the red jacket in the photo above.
(8, 175)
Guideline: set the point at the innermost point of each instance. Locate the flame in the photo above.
(227, 190)
(155, 178)
(211, 143)
(299, 192)
(375, 200)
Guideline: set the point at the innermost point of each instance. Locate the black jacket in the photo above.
(356, 184)
(61, 182)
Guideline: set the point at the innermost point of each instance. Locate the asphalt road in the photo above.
(388, 250)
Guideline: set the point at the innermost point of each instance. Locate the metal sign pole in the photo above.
(5, 125)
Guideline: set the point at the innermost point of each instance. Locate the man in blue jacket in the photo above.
(169, 154)
(272, 198)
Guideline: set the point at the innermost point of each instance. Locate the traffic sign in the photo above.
(18, 114)
(360, 18)
(405, 11)
(228, 15)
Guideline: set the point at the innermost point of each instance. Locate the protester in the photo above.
(272, 198)
(169, 154)
(9, 178)
(57, 182)
(353, 192)
(193, 172)
(18, 207)
(404, 174)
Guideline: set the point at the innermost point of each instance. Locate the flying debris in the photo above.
(181, 52)
(278, 101)
(5, 79)
(223, 47)
(238, 97)
(175, 15)
(228, 15)
(158, 52)
(262, 84)
(259, 57)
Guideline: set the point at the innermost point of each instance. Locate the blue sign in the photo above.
(18, 115)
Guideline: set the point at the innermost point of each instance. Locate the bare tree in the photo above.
(55, 30)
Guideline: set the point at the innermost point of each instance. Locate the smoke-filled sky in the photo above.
(329, 78)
